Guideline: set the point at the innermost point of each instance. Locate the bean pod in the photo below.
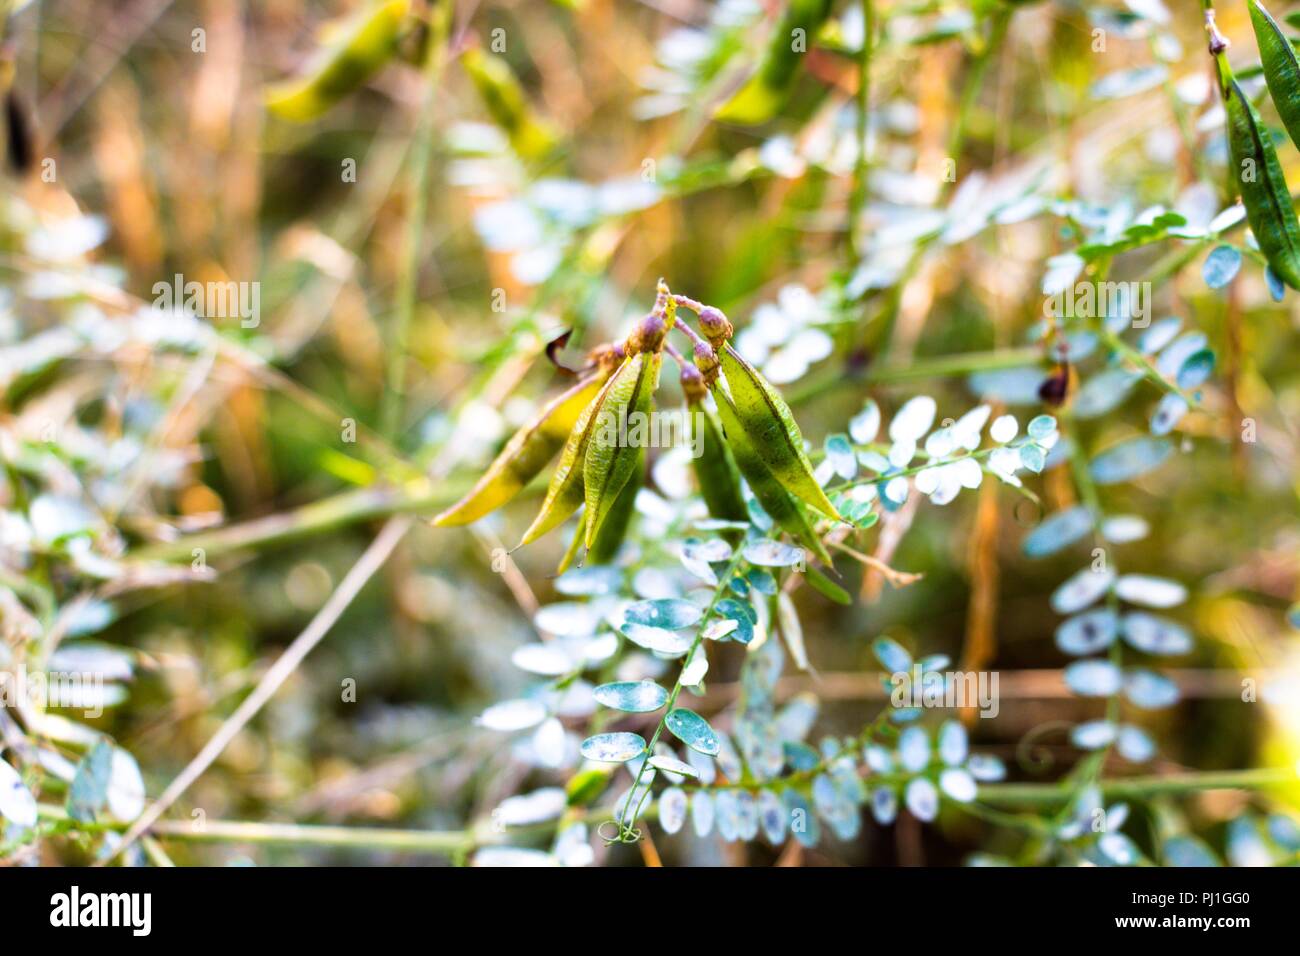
(504, 98)
(784, 508)
(525, 455)
(759, 99)
(610, 457)
(1263, 188)
(772, 431)
(565, 494)
(715, 468)
(363, 46)
(1281, 69)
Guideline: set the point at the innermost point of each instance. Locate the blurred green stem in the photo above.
(973, 84)
(941, 366)
(408, 278)
(862, 167)
(455, 842)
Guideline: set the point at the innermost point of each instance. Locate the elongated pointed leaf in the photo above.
(525, 455)
(772, 431)
(1281, 69)
(693, 730)
(1264, 192)
(613, 530)
(786, 510)
(565, 493)
(715, 468)
(362, 47)
(613, 450)
(504, 98)
(764, 93)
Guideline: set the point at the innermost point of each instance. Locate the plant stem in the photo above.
(941, 366)
(624, 825)
(861, 167)
(328, 514)
(1050, 794)
(408, 277)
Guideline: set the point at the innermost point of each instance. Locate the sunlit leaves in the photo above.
(1155, 635)
(1150, 591)
(1129, 459)
(17, 805)
(510, 715)
(1088, 633)
(1221, 266)
(635, 697)
(88, 792)
(618, 747)
(672, 809)
(1058, 531)
(693, 730)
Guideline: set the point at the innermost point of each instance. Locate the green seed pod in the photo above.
(773, 431)
(565, 494)
(574, 544)
(766, 91)
(785, 509)
(610, 456)
(1281, 69)
(530, 138)
(357, 51)
(715, 468)
(525, 455)
(826, 587)
(614, 528)
(1263, 188)
(585, 786)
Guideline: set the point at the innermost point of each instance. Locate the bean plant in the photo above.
(583, 433)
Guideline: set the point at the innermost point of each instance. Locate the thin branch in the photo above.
(361, 572)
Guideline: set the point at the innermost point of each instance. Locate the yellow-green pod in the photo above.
(504, 98)
(765, 92)
(1281, 68)
(715, 468)
(525, 455)
(784, 508)
(1258, 173)
(772, 431)
(355, 53)
(574, 544)
(604, 549)
(565, 494)
(585, 786)
(613, 451)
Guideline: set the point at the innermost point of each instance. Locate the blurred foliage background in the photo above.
(183, 495)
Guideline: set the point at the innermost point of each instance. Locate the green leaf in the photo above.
(693, 730)
(673, 765)
(613, 748)
(766, 91)
(672, 614)
(826, 587)
(1258, 175)
(89, 789)
(363, 46)
(633, 697)
(1281, 69)
(1056, 532)
(1129, 459)
(1221, 266)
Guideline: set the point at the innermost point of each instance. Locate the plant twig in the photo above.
(361, 572)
